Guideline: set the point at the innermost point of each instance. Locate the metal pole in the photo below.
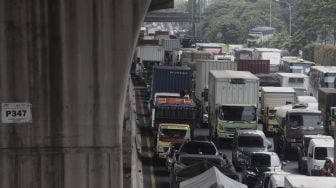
(290, 19)
(270, 14)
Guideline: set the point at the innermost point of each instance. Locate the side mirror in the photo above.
(284, 163)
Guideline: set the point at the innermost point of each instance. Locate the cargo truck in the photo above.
(298, 81)
(327, 105)
(272, 97)
(233, 102)
(203, 68)
(272, 54)
(295, 121)
(170, 110)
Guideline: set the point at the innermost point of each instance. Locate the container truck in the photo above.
(190, 55)
(272, 97)
(173, 79)
(258, 35)
(170, 133)
(203, 68)
(170, 110)
(294, 64)
(298, 81)
(327, 105)
(233, 102)
(254, 66)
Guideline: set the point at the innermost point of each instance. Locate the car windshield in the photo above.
(263, 160)
(172, 133)
(304, 120)
(250, 141)
(322, 152)
(198, 148)
(237, 113)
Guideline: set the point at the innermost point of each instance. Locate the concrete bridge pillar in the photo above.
(69, 59)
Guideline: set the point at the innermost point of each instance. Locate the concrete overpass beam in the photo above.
(70, 60)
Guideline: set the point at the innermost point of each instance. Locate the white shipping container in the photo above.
(203, 68)
(298, 81)
(276, 96)
(161, 38)
(233, 87)
(171, 44)
(150, 53)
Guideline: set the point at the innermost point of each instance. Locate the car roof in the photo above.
(250, 132)
(322, 142)
(265, 153)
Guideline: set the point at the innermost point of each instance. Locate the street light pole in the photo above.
(290, 15)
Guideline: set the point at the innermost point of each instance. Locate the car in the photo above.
(318, 150)
(328, 167)
(195, 157)
(276, 181)
(302, 151)
(245, 142)
(258, 163)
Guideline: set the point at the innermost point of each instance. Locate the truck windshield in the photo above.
(322, 152)
(172, 133)
(330, 80)
(304, 120)
(261, 160)
(237, 113)
(250, 141)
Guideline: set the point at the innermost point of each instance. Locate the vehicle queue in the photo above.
(231, 95)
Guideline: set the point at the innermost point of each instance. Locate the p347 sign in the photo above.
(16, 113)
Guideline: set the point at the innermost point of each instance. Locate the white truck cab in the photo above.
(318, 150)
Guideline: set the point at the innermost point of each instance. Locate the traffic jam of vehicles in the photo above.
(243, 97)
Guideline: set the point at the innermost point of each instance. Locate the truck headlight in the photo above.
(250, 173)
(316, 167)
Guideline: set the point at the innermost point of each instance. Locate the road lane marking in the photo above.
(151, 168)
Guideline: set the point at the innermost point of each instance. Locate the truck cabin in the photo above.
(173, 133)
(237, 113)
(304, 120)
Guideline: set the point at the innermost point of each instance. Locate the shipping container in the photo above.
(171, 44)
(203, 68)
(254, 66)
(233, 87)
(276, 96)
(327, 106)
(150, 53)
(298, 81)
(171, 79)
(271, 54)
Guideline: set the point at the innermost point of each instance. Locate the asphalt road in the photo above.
(154, 172)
